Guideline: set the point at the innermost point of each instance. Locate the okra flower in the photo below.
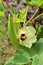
(27, 36)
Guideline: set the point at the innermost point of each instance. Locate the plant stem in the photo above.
(37, 17)
(5, 6)
(33, 16)
(10, 11)
(26, 15)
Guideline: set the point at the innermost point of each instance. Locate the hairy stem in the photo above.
(33, 15)
(37, 17)
(5, 6)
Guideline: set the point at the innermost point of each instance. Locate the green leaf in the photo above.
(12, 33)
(2, 14)
(40, 35)
(1, 7)
(40, 45)
(22, 16)
(23, 55)
(36, 48)
(2, 10)
(36, 2)
(40, 40)
(28, 52)
(26, 1)
(38, 59)
(0, 1)
(20, 58)
(10, 61)
(42, 6)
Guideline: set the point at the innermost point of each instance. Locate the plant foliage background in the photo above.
(19, 17)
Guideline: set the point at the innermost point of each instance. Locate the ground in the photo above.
(6, 51)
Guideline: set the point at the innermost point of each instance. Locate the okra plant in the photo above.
(25, 35)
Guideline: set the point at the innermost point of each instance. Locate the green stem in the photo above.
(33, 16)
(10, 11)
(5, 6)
(37, 17)
(26, 15)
